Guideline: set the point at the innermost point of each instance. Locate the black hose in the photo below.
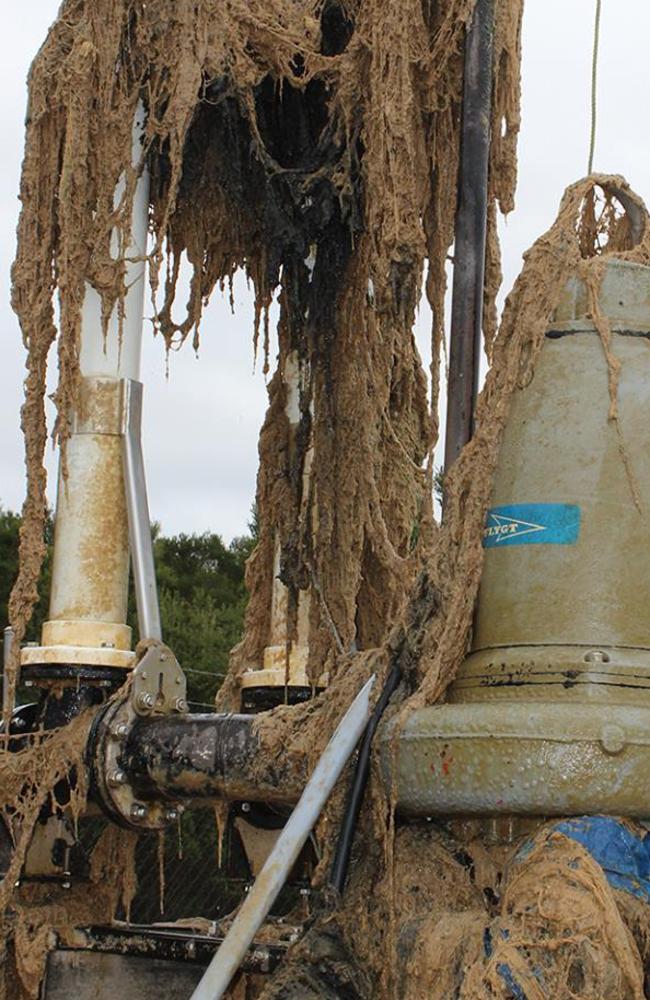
(341, 861)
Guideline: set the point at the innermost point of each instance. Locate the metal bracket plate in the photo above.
(159, 686)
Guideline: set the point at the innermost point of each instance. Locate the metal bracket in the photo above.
(159, 686)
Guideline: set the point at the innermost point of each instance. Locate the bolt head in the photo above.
(117, 778)
(138, 812)
(245, 807)
(596, 656)
(171, 814)
(119, 731)
(612, 739)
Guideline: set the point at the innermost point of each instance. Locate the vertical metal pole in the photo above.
(471, 232)
(135, 485)
(7, 644)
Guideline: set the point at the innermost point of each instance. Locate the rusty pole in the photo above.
(471, 232)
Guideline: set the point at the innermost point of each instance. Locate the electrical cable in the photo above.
(357, 790)
(594, 88)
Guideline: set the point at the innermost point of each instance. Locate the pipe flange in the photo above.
(110, 784)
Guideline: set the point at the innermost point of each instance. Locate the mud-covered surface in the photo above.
(314, 144)
(474, 919)
(46, 776)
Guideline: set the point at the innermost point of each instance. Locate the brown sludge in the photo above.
(315, 145)
(32, 914)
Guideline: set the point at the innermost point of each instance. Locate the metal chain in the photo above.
(594, 87)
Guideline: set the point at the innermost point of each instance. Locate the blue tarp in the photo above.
(623, 854)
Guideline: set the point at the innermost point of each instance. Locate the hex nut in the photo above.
(138, 812)
(117, 778)
(180, 705)
(145, 700)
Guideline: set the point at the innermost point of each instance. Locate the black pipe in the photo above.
(341, 861)
(471, 232)
(207, 757)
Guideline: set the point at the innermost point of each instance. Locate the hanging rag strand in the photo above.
(315, 146)
(338, 130)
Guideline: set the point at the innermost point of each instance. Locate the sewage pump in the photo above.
(550, 713)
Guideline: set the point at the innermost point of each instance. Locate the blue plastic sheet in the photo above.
(622, 853)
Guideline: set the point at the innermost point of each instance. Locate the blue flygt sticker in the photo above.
(532, 524)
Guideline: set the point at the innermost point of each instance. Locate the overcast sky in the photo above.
(201, 424)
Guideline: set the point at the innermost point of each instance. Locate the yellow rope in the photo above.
(594, 87)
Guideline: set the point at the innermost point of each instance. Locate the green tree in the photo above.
(9, 540)
(202, 603)
(201, 633)
(190, 564)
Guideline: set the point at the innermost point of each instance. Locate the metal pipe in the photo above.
(7, 644)
(90, 570)
(284, 660)
(282, 858)
(207, 757)
(135, 485)
(471, 233)
(117, 355)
